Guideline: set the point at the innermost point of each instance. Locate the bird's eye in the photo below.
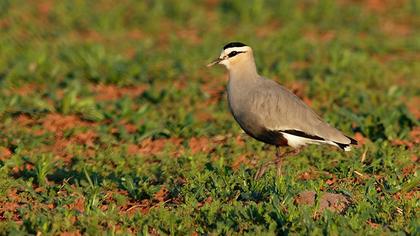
(232, 54)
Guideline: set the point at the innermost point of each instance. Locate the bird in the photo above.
(269, 112)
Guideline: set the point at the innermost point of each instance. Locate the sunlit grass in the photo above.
(111, 123)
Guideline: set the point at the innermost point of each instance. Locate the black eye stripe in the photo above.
(234, 53)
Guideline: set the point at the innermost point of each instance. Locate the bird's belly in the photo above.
(255, 128)
(250, 122)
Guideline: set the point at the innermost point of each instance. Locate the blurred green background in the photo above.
(111, 123)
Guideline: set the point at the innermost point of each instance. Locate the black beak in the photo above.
(215, 61)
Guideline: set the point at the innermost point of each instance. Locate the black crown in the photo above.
(233, 44)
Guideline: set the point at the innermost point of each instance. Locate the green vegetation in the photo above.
(110, 122)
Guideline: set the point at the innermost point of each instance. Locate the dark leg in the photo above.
(278, 162)
(260, 172)
(264, 166)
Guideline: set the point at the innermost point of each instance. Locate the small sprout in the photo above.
(43, 166)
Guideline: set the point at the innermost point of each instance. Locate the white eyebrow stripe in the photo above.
(238, 49)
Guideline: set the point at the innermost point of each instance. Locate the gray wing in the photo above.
(279, 109)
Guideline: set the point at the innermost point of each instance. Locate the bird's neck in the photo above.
(244, 72)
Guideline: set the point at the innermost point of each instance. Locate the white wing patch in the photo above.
(297, 141)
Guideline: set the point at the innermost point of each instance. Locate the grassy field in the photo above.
(110, 123)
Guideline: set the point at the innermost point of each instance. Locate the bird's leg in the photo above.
(263, 168)
(260, 172)
(279, 160)
(292, 152)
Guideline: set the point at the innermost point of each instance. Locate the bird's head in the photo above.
(232, 54)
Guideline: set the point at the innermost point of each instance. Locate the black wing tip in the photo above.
(352, 141)
(234, 44)
(344, 146)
